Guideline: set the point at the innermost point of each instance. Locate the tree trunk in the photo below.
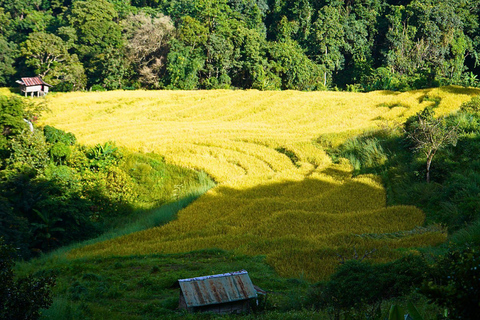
(429, 162)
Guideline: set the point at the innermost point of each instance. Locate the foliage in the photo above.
(429, 135)
(97, 31)
(29, 149)
(472, 106)
(375, 44)
(11, 115)
(147, 46)
(184, 65)
(102, 156)
(360, 287)
(294, 67)
(45, 52)
(25, 297)
(8, 54)
(54, 135)
(454, 283)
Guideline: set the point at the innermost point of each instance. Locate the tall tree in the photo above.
(328, 40)
(8, 54)
(44, 52)
(147, 46)
(97, 31)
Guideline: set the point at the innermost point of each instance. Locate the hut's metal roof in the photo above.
(34, 81)
(219, 288)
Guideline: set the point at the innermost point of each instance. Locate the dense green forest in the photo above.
(262, 44)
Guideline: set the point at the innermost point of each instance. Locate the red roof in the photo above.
(34, 81)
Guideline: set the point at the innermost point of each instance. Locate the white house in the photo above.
(33, 85)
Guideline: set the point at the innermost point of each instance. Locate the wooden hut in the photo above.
(33, 85)
(221, 293)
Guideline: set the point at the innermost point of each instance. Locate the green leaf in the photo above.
(396, 313)
(413, 311)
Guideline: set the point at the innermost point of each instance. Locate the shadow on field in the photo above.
(459, 90)
(38, 215)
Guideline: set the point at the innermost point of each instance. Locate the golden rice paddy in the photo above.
(302, 215)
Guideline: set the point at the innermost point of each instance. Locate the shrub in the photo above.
(364, 152)
(54, 135)
(102, 156)
(357, 286)
(25, 297)
(29, 149)
(454, 284)
(59, 152)
(97, 87)
(472, 106)
(11, 115)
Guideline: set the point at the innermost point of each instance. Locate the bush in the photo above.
(455, 283)
(25, 297)
(361, 287)
(97, 87)
(102, 156)
(472, 106)
(29, 149)
(54, 135)
(11, 116)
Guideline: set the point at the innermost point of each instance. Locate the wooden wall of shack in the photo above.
(241, 306)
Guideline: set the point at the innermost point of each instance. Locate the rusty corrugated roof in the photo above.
(219, 288)
(34, 81)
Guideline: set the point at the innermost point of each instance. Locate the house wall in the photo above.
(242, 306)
(33, 88)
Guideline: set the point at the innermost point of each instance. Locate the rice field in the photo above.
(278, 193)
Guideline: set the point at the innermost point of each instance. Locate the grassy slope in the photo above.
(143, 287)
(299, 213)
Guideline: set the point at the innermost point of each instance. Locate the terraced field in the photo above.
(278, 193)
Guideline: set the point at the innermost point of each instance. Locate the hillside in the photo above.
(279, 194)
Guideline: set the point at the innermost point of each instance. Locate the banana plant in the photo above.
(397, 313)
(44, 230)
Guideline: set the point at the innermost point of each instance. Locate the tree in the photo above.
(8, 49)
(184, 65)
(147, 45)
(328, 40)
(49, 55)
(295, 69)
(186, 57)
(97, 32)
(44, 51)
(431, 39)
(8, 54)
(429, 134)
(18, 8)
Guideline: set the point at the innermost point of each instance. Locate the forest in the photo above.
(349, 45)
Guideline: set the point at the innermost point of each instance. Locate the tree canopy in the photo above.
(264, 44)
